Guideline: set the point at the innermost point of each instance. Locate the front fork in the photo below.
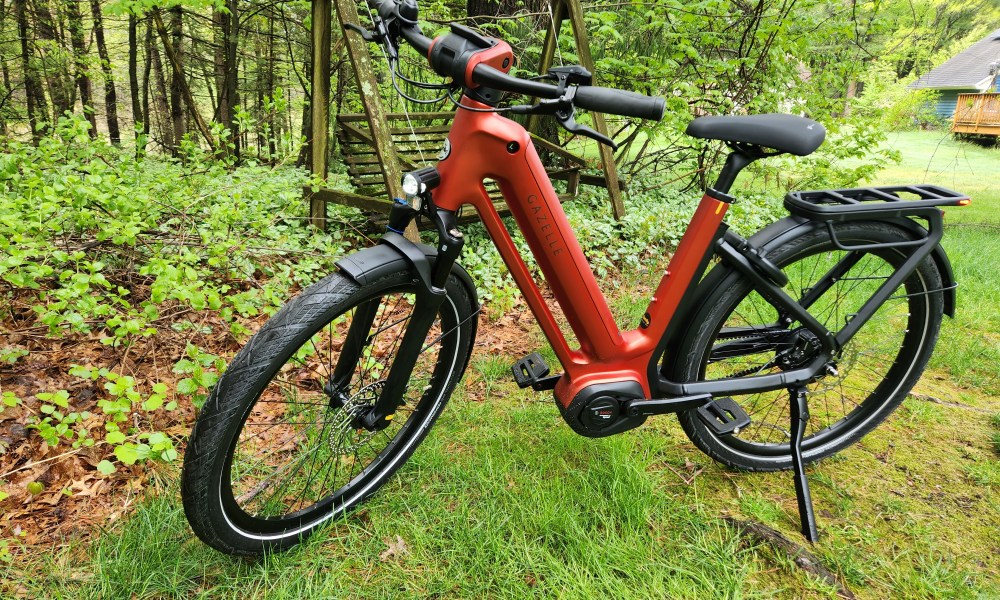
(430, 295)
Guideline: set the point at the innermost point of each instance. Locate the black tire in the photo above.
(269, 460)
(875, 370)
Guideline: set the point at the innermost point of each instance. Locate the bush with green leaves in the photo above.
(97, 243)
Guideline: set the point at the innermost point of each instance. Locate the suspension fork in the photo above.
(431, 294)
(350, 354)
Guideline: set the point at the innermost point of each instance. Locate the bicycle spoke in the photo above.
(749, 344)
(298, 447)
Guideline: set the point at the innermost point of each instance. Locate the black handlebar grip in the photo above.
(619, 102)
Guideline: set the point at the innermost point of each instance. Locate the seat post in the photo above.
(737, 160)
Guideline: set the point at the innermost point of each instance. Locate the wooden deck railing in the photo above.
(977, 113)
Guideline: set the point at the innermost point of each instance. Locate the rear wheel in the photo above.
(738, 333)
(278, 449)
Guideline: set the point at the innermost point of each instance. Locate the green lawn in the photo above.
(504, 501)
(969, 351)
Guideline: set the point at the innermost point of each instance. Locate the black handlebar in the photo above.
(498, 80)
(417, 39)
(599, 99)
(402, 14)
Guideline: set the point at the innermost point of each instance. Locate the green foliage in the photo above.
(887, 100)
(80, 220)
(728, 57)
(96, 242)
(917, 35)
(8, 399)
(11, 354)
(59, 423)
(202, 370)
(142, 7)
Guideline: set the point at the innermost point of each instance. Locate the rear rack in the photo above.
(872, 202)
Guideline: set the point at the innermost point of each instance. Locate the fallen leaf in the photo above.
(395, 549)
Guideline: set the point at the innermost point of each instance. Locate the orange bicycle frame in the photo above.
(485, 145)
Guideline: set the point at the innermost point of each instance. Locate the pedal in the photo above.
(723, 416)
(530, 370)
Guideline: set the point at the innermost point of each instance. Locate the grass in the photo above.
(972, 240)
(503, 500)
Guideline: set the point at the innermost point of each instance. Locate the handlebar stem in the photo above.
(458, 54)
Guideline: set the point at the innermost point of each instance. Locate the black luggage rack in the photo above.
(880, 202)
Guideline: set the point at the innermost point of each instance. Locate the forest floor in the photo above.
(504, 500)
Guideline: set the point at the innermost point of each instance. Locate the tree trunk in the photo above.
(80, 63)
(305, 153)
(852, 91)
(478, 8)
(261, 89)
(8, 91)
(175, 55)
(37, 108)
(232, 70)
(133, 77)
(110, 94)
(227, 68)
(60, 82)
(181, 82)
(163, 110)
(269, 85)
(219, 26)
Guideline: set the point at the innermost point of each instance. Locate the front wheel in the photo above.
(278, 450)
(738, 333)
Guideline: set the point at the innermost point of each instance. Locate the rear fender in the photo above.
(779, 233)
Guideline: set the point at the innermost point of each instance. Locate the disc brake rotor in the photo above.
(344, 437)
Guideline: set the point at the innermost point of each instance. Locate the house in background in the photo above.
(969, 87)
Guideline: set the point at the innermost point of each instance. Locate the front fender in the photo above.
(370, 264)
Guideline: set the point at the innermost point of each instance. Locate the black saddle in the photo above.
(785, 133)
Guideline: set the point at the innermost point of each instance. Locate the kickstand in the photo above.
(800, 415)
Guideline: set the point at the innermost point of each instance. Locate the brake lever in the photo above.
(366, 35)
(568, 123)
(562, 109)
(381, 37)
